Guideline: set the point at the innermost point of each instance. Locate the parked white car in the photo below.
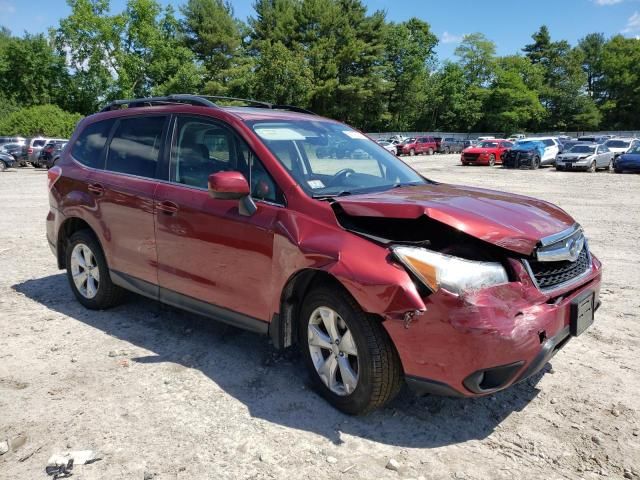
(388, 146)
(551, 149)
(619, 145)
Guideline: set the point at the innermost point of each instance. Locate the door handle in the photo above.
(95, 188)
(167, 207)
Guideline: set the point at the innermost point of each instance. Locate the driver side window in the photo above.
(202, 147)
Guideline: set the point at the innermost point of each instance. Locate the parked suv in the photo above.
(50, 152)
(419, 146)
(32, 148)
(377, 273)
(451, 145)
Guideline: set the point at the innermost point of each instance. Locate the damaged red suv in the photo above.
(303, 229)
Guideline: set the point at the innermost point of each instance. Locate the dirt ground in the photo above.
(162, 394)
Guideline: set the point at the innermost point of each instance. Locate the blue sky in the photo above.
(508, 23)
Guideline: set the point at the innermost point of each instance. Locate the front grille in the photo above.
(551, 274)
(471, 156)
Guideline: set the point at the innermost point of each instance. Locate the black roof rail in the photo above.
(260, 104)
(165, 100)
(199, 100)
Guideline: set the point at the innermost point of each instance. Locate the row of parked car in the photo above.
(588, 153)
(585, 153)
(38, 151)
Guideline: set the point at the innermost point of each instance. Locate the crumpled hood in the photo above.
(510, 221)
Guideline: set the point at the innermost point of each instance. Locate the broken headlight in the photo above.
(455, 274)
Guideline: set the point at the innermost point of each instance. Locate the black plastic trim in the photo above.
(189, 304)
(424, 386)
(501, 376)
(549, 349)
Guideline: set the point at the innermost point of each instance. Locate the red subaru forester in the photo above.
(285, 223)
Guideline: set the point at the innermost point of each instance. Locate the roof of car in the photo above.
(243, 113)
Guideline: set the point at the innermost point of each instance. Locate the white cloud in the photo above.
(633, 24)
(607, 2)
(451, 38)
(7, 8)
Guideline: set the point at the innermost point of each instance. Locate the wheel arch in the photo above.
(70, 226)
(283, 326)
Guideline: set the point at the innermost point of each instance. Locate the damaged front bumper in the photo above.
(480, 343)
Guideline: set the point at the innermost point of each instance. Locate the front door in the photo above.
(207, 251)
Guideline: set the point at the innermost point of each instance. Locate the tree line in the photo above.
(330, 56)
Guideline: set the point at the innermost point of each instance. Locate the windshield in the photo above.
(617, 144)
(583, 149)
(329, 159)
(635, 150)
(489, 145)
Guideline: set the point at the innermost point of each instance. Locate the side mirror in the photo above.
(228, 185)
(232, 186)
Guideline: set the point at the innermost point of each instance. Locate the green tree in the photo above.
(281, 76)
(477, 58)
(592, 49)
(621, 78)
(409, 57)
(46, 120)
(134, 53)
(512, 104)
(564, 88)
(31, 71)
(215, 37)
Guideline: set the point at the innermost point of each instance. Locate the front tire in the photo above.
(430, 151)
(412, 152)
(349, 355)
(492, 160)
(3, 166)
(535, 163)
(592, 168)
(88, 273)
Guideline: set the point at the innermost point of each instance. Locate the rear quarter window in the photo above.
(90, 143)
(135, 146)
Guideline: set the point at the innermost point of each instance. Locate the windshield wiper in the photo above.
(325, 196)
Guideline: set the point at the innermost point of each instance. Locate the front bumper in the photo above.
(572, 165)
(518, 160)
(487, 341)
(627, 166)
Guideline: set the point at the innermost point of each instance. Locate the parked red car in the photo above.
(303, 229)
(419, 146)
(488, 152)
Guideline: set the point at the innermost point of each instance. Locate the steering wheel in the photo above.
(345, 172)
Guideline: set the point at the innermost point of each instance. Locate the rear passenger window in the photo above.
(135, 146)
(88, 147)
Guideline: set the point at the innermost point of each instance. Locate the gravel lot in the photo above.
(163, 394)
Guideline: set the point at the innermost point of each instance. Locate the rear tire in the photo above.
(377, 368)
(618, 170)
(98, 291)
(430, 151)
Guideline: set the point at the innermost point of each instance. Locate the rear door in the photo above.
(124, 193)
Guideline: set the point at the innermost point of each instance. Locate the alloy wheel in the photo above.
(85, 271)
(333, 351)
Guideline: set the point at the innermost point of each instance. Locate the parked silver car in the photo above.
(589, 157)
